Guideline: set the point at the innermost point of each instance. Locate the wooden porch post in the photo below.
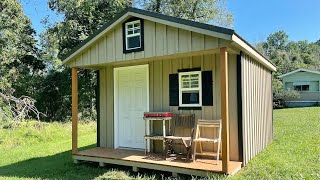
(224, 108)
(74, 110)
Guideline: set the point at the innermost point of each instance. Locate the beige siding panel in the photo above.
(86, 57)
(110, 125)
(110, 47)
(211, 42)
(160, 39)
(184, 41)
(149, 38)
(257, 107)
(233, 107)
(118, 44)
(103, 108)
(197, 41)
(102, 50)
(94, 54)
(172, 40)
(166, 70)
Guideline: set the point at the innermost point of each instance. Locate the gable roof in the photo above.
(299, 70)
(207, 29)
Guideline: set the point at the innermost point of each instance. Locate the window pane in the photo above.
(185, 84)
(130, 32)
(305, 87)
(133, 42)
(130, 26)
(137, 31)
(194, 84)
(137, 25)
(297, 88)
(190, 98)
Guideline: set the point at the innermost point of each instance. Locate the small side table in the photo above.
(149, 136)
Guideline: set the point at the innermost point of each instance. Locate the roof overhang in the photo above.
(299, 70)
(247, 48)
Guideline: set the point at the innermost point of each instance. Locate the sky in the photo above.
(254, 20)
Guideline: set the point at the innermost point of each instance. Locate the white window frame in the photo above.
(199, 88)
(134, 34)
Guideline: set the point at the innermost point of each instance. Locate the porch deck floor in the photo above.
(137, 159)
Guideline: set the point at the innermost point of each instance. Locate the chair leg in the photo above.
(218, 152)
(194, 151)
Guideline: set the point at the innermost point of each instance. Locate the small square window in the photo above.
(190, 89)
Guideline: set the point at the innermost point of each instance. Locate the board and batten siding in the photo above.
(159, 71)
(257, 117)
(159, 40)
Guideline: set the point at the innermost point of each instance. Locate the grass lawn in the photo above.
(32, 150)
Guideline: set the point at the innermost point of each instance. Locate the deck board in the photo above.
(138, 159)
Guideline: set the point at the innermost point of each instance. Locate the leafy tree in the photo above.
(81, 18)
(18, 56)
(207, 11)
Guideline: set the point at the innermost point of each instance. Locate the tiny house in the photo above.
(307, 83)
(149, 62)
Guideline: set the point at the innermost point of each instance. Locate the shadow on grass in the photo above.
(61, 166)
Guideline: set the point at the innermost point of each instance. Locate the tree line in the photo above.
(32, 74)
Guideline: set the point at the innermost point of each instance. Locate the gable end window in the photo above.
(190, 91)
(133, 35)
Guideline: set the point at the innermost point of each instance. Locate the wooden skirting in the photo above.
(201, 167)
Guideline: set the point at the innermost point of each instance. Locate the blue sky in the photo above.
(253, 19)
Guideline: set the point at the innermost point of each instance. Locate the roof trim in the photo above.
(299, 70)
(248, 48)
(212, 30)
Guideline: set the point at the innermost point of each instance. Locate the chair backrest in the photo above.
(201, 123)
(183, 121)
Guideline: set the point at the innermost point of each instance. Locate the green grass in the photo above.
(32, 150)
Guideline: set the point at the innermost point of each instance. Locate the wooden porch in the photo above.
(137, 159)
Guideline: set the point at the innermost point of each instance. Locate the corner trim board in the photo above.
(98, 107)
(239, 101)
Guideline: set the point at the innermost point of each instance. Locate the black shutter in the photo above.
(174, 89)
(207, 88)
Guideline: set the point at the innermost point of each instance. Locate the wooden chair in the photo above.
(213, 124)
(180, 121)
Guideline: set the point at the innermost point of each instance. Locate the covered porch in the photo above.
(136, 159)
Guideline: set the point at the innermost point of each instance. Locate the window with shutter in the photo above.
(191, 89)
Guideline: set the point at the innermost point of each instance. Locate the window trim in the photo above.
(124, 35)
(301, 89)
(132, 35)
(181, 90)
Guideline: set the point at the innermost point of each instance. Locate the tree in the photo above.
(81, 18)
(18, 58)
(288, 56)
(207, 11)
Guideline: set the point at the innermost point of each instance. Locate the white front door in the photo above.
(132, 99)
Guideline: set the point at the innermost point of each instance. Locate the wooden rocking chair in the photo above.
(180, 121)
